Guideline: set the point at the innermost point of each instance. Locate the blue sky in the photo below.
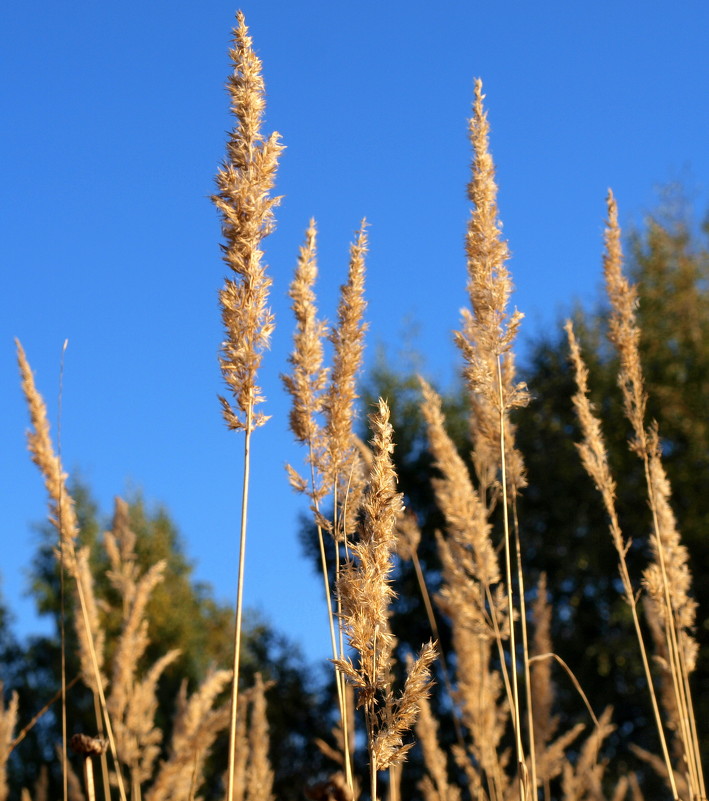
(114, 123)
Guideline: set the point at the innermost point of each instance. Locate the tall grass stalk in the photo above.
(306, 384)
(485, 340)
(366, 592)
(244, 183)
(667, 579)
(62, 604)
(595, 460)
(63, 517)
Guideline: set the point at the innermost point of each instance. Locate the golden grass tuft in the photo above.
(500, 753)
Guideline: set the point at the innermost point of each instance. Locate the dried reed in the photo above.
(365, 590)
(63, 517)
(323, 417)
(245, 181)
(667, 579)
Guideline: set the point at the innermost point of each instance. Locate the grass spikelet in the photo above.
(343, 468)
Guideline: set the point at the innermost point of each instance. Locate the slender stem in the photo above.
(239, 600)
(525, 649)
(510, 602)
(56, 697)
(372, 764)
(339, 683)
(104, 759)
(89, 779)
(339, 676)
(62, 617)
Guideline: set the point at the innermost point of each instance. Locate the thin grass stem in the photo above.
(515, 710)
(62, 601)
(239, 599)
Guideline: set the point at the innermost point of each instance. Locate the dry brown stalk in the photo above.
(667, 579)
(245, 181)
(334, 457)
(365, 590)
(63, 517)
(486, 338)
(595, 460)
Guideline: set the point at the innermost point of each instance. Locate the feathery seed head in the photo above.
(244, 182)
(623, 330)
(488, 328)
(307, 380)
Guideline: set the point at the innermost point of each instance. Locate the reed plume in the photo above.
(132, 702)
(63, 517)
(196, 726)
(259, 775)
(435, 785)
(366, 592)
(245, 181)
(323, 416)
(667, 579)
(488, 333)
(594, 458)
(485, 340)
(343, 468)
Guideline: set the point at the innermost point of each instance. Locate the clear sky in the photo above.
(114, 120)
